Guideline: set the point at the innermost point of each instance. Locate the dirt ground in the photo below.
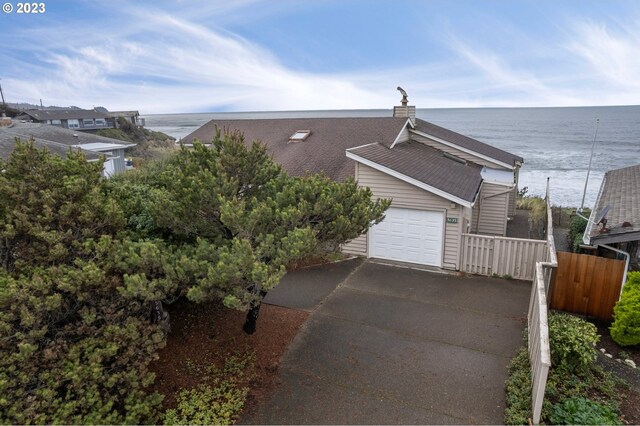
(207, 334)
(630, 406)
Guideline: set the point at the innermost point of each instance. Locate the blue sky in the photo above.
(251, 55)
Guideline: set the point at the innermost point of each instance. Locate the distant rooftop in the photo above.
(57, 140)
(620, 190)
(63, 114)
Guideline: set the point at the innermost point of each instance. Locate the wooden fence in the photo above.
(587, 285)
(488, 255)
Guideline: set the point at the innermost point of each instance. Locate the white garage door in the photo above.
(408, 235)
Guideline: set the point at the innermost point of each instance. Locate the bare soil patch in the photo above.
(207, 334)
(606, 342)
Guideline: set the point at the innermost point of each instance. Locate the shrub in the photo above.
(76, 335)
(577, 227)
(571, 340)
(219, 404)
(582, 411)
(625, 329)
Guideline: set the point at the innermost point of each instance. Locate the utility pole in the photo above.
(586, 182)
(4, 104)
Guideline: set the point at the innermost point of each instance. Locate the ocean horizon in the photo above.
(555, 142)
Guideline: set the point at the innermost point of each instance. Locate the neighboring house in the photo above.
(59, 141)
(442, 184)
(131, 116)
(70, 118)
(615, 218)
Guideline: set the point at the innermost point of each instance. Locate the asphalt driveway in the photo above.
(390, 345)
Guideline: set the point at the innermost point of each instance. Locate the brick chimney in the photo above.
(405, 110)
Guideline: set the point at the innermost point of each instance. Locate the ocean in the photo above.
(554, 142)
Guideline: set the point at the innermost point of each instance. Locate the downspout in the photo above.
(626, 265)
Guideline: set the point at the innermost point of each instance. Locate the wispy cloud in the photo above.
(181, 60)
(610, 53)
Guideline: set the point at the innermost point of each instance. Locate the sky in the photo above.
(252, 55)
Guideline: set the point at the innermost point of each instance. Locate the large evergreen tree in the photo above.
(240, 217)
(76, 331)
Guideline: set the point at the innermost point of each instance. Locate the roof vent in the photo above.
(454, 158)
(299, 135)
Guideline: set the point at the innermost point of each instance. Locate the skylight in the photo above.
(300, 135)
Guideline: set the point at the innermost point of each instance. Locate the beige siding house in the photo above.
(442, 184)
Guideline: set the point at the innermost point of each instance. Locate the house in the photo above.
(615, 218)
(70, 118)
(442, 184)
(60, 141)
(132, 117)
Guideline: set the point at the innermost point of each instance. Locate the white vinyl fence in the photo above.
(538, 340)
(538, 328)
(488, 255)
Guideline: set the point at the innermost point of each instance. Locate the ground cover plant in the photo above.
(578, 391)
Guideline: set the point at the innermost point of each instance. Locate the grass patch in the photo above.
(537, 207)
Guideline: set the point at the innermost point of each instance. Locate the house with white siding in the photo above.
(442, 184)
(60, 141)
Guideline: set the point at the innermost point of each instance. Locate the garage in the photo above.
(408, 235)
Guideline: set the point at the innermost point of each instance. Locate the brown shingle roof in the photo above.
(621, 191)
(427, 165)
(322, 151)
(63, 114)
(467, 142)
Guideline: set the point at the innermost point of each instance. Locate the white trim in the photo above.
(399, 134)
(468, 151)
(496, 182)
(102, 146)
(409, 180)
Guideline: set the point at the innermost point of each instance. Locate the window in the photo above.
(73, 123)
(299, 135)
(100, 122)
(56, 122)
(87, 122)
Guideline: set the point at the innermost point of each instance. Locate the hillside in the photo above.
(150, 144)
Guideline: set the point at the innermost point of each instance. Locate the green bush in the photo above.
(518, 389)
(577, 227)
(208, 405)
(76, 337)
(582, 411)
(571, 340)
(625, 329)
